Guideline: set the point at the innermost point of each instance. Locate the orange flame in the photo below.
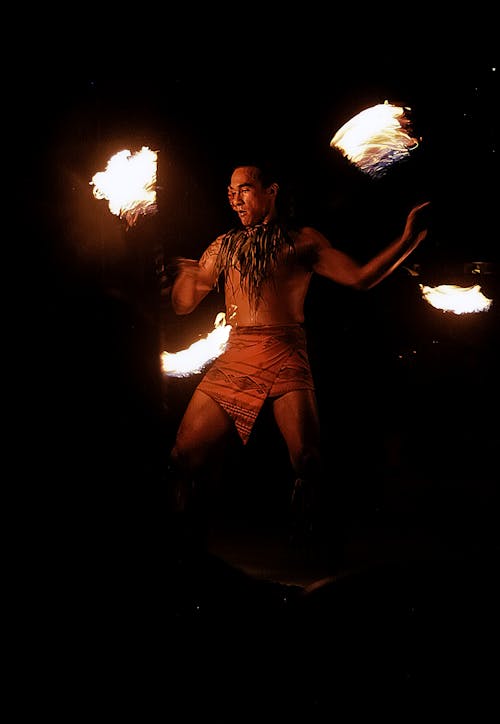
(128, 183)
(194, 358)
(459, 300)
(376, 138)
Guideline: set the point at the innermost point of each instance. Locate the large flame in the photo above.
(128, 183)
(194, 358)
(459, 300)
(376, 138)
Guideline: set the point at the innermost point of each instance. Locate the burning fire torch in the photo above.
(456, 299)
(376, 138)
(197, 356)
(128, 184)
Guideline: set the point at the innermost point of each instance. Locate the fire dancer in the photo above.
(266, 266)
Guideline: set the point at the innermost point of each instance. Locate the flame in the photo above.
(376, 138)
(452, 298)
(198, 355)
(128, 183)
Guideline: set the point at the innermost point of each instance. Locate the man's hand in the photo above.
(171, 271)
(180, 264)
(418, 220)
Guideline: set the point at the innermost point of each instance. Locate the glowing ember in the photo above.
(128, 183)
(193, 359)
(376, 138)
(459, 300)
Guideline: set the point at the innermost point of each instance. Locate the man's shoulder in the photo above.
(306, 235)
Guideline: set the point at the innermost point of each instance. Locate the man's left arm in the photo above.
(343, 269)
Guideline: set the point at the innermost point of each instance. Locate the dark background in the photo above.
(408, 395)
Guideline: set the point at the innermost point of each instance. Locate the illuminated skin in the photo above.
(283, 300)
(205, 424)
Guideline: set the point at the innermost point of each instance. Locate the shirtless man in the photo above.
(266, 268)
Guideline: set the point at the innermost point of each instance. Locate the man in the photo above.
(266, 269)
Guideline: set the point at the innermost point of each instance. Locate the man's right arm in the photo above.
(194, 280)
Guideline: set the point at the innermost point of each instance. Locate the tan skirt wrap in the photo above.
(258, 362)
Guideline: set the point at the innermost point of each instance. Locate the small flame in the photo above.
(459, 300)
(376, 138)
(194, 358)
(128, 183)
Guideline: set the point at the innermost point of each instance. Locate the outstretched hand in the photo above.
(418, 218)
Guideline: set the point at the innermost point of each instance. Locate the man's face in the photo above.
(252, 202)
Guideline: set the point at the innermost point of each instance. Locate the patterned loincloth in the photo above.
(259, 362)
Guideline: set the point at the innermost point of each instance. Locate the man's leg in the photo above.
(314, 518)
(200, 440)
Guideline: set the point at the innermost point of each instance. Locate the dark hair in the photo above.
(270, 172)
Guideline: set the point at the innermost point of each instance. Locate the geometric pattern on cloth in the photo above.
(258, 362)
